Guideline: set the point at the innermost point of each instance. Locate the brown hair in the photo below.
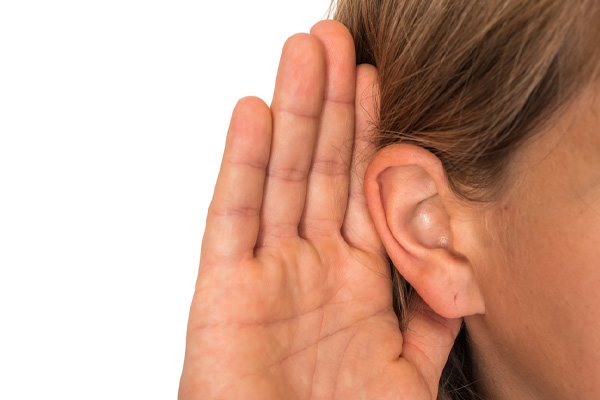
(470, 81)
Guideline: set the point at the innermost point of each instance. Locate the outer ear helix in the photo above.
(408, 194)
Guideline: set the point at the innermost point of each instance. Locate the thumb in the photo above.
(428, 340)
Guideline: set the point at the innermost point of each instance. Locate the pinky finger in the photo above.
(233, 216)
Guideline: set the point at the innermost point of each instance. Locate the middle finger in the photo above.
(296, 110)
(328, 180)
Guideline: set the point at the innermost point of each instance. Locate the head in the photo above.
(486, 186)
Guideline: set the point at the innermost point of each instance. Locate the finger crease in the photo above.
(296, 114)
(287, 174)
(329, 168)
(237, 211)
(261, 166)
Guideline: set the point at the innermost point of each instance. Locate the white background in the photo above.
(113, 117)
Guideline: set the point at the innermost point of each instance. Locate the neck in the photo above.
(498, 376)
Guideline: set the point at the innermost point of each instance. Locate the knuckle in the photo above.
(329, 167)
(234, 211)
(277, 232)
(297, 117)
(259, 165)
(287, 174)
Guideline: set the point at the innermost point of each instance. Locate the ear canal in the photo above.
(430, 224)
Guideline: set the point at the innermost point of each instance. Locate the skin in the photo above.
(293, 298)
(537, 264)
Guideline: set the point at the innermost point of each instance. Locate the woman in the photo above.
(465, 149)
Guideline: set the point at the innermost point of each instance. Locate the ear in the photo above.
(408, 197)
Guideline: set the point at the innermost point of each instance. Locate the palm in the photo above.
(294, 296)
(298, 326)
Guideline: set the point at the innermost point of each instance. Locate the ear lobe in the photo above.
(406, 190)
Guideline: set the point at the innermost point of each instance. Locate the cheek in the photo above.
(541, 279)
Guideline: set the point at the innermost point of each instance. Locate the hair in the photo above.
(470, 81)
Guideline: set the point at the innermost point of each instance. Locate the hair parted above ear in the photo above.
(408, 197)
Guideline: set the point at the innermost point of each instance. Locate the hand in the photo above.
(294, 298)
